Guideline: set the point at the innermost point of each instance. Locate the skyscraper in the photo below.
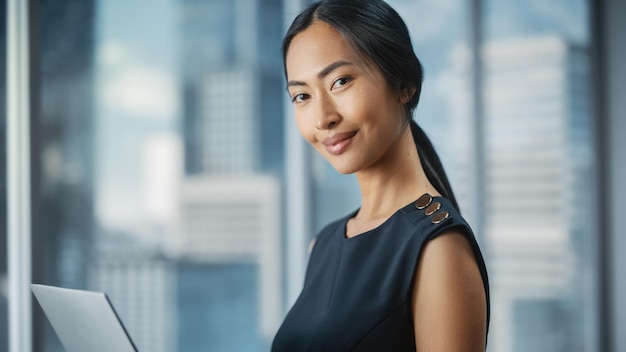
(229, 139)
(141, 285)
(230, 237)
(62, 136)
(230, 233)
(232, 76)
(226, 208)
(538, 154)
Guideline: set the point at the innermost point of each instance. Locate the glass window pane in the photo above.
(161, 162)
(539, 175)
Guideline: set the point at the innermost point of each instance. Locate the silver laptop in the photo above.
(83, 320)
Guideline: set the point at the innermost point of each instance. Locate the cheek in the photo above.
(363, 105)
(306, 129)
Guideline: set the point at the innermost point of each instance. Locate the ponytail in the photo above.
(431, 163)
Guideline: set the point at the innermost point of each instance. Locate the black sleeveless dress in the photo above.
(357, 291)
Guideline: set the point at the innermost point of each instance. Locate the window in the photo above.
(539, 172)
(159, 171)
(160, 163)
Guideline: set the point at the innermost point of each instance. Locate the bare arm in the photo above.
(449, 307)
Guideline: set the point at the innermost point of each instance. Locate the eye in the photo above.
(340, 82)
(298, 98)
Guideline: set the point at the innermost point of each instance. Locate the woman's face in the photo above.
(344, 107)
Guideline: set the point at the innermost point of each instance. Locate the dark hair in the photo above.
(378, 33)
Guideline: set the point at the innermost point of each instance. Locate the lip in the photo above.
(338, 142)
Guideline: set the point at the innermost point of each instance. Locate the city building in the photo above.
(232, 83)
(229, 212)
(141, 284)
(233, 223)
(537, 161)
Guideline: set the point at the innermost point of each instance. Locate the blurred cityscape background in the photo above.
(160, 163)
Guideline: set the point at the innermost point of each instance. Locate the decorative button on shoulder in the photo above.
(440, 217)
(423, 201)
(432, 208)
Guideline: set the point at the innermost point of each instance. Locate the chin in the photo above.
(345, 169)
(343, 164)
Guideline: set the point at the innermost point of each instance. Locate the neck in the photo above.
(394, 182)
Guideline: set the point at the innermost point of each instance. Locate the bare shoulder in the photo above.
(448, 301)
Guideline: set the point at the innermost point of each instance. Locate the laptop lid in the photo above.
(83, 320)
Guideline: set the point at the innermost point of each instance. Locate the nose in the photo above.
(328, 117)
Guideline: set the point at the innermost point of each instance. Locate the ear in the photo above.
(406, 93)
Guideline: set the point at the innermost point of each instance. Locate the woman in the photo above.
(403, 272)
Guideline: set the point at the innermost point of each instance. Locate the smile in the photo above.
(339, 142)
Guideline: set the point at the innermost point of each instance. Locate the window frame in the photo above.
(19, 232)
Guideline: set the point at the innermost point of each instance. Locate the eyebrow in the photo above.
(323, 73)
